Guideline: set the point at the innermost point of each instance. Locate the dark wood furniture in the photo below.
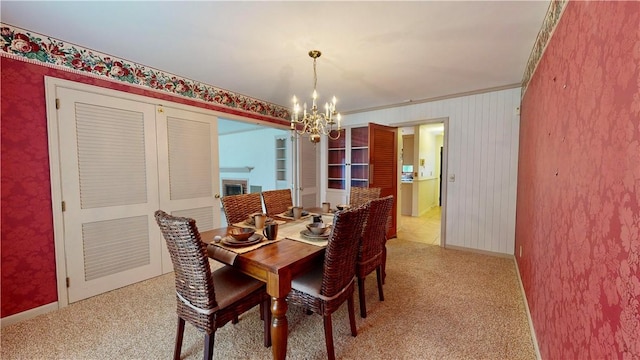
(277, 201)
(276, 265)
(237, 208)
(372, 254)
(325, 287)
(204, 299)
(364, 157)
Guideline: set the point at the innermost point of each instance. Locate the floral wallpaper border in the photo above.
(36, 48)
(556, 7)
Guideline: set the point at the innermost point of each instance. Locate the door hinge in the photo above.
(64, 206)
(58, 104)
(68, 282)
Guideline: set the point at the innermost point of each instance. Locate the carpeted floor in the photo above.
(439, 304)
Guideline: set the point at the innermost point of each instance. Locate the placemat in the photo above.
(292, 231)
(221, 254)
(244, 224)
(227, 254)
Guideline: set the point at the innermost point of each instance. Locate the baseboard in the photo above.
(478, 251)
(526, 306)
(29, 314)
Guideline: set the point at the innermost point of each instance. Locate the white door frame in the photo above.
(445, 151)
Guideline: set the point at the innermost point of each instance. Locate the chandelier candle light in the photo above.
(314, 123)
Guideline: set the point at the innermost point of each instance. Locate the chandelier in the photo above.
(314, 123)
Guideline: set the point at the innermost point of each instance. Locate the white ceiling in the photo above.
(374, 53)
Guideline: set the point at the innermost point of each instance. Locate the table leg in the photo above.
(279, 327)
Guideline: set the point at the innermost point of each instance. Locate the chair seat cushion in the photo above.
(309, 282)
(232, 285)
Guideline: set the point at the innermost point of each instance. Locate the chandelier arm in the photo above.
(334, 138)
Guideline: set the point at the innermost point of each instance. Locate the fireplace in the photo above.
(234, 186)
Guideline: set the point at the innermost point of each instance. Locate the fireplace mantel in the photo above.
(239, 169)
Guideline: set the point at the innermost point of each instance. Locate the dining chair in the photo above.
(324, 288)
(237, 208)
(205, 299)
(372, 248)
(361, 195)
(277, 201)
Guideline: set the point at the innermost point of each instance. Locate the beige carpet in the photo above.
(439, 304)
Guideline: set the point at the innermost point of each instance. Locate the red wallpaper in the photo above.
(27, 257)
(578, 207)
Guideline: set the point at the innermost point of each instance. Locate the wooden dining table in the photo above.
(276, 264)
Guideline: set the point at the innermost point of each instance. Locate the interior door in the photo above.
(109, 178)
(188, 168)
(308, 173)
(383, 162)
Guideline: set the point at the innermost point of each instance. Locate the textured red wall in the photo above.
(27, 253)
(578, 207)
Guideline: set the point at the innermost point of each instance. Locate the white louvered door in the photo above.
(309, 171)
(187, 168)
(108, 162)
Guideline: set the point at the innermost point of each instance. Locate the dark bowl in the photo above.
(241, 234)
(317, 228)
(342, 206)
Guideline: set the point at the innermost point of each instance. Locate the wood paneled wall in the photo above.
(482, 154)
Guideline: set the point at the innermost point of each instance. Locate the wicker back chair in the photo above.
(372, 249)
(325, 288)
(360, 195)
(237, 208)
(197, 300)
(277, 201)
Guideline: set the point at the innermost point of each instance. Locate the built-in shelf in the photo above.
(348, 159)
(281, 159)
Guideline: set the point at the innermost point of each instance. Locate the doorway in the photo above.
(243, 169)
(422, 193)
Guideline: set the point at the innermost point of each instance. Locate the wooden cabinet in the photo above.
(347, 163)
(337, 162)
(363, 157)
(359, 161)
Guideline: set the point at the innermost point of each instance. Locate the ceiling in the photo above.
(374, 54)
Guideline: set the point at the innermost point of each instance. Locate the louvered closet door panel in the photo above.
(189, 158)
(108, 161)
(188, 168)
(111, 156)
(115, 245)
(202, 216)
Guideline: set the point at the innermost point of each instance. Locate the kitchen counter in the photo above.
(406, 193)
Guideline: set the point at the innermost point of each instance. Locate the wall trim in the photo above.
(551, 20)
(28, 314)
(534, 338)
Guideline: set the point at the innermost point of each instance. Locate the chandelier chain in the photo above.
(315, 74)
